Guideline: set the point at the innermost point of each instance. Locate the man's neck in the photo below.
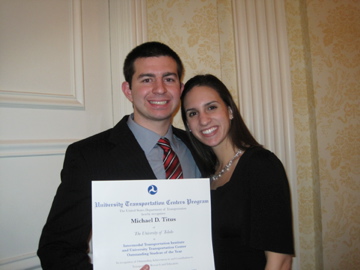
(160, 127)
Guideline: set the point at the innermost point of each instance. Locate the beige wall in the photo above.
(324, 45)
(200, 31)
(324, 41)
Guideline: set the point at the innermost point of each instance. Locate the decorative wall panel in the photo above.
(51, 54)
(24, 148)
(263, 73)
(41, 63)
(135, 33)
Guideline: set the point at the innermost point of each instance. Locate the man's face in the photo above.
(155, 91)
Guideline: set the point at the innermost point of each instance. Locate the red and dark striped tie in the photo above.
(170, 161)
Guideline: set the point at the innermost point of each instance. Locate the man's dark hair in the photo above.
(150, 49)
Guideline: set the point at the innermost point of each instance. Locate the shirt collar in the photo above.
(146, 138)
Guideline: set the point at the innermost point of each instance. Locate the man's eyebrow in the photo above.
(170, 74)
(145, 75)
(151, 75)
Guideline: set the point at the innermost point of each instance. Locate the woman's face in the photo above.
(207, 116)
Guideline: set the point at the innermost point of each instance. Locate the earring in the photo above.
(231, 113)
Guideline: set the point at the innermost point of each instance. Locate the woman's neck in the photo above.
(224, 153)
(228, 156)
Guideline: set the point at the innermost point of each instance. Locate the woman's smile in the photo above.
(207, 115)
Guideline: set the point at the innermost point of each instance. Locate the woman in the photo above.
(251, 211)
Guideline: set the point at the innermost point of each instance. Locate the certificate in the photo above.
(163, 223)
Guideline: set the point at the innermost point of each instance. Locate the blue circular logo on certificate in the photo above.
(152, 189)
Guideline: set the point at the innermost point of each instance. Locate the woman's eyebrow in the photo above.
(206, 104)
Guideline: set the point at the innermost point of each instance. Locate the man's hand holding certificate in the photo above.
(163, 223)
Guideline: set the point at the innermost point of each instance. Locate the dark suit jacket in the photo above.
(111, 155)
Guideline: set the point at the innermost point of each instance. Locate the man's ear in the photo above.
(127, 91)
(181, 88)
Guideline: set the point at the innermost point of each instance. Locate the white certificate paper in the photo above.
(163, 223)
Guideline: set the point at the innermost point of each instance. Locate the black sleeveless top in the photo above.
(252, 213)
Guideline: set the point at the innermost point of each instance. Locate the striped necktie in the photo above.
(170, 160)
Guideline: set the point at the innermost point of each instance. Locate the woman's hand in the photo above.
(145, 267)
(278, 261)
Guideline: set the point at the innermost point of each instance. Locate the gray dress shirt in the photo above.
(148, 142)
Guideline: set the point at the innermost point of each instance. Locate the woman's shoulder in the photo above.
(257, 152)
(260, 157)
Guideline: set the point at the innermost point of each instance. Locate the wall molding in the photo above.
(43, 99)
(31, 148)
(264, 83)
(24, 261)
(127, 19)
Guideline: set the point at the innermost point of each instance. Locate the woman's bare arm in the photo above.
(278, 261)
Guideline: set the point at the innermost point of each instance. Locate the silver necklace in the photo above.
(227, 166)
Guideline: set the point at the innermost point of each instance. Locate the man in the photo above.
(153, 74)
